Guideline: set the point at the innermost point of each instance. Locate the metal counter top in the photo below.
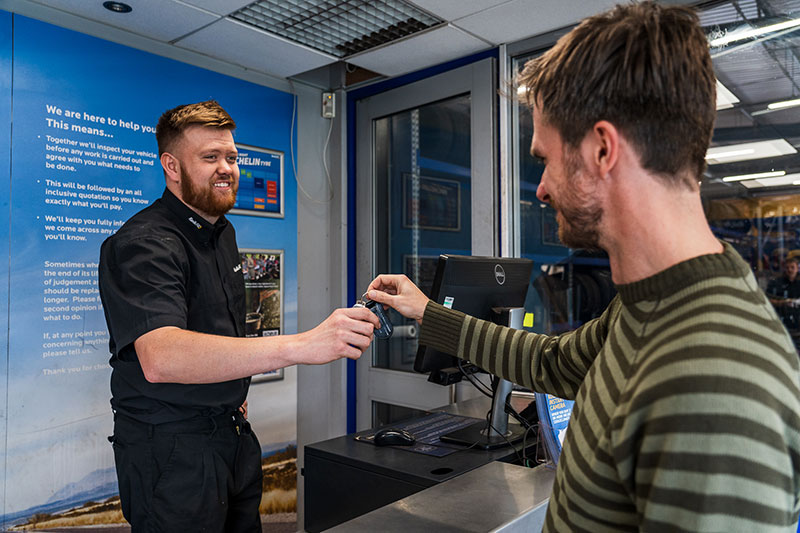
(494, 497)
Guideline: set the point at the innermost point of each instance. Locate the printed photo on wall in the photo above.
(263, 286)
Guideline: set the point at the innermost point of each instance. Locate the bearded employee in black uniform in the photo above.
(173, 294)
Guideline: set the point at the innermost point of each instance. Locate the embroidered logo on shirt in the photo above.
(196, 223)
(237, 268)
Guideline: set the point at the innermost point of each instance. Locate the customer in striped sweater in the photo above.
(687, 388)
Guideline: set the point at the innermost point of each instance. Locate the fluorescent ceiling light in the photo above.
(731, 153)
(784, 104)
(725, 98)
(778, 181)
(737, 35)
(743, 177)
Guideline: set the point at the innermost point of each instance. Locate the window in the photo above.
(750, 191)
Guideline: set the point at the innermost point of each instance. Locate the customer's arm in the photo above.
(553, 364)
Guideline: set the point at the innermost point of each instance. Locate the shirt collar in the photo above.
(190, 222)
(677, 277)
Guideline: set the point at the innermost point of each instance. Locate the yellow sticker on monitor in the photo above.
(528, 320)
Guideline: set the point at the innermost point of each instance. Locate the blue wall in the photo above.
(5, 177)
(57, 394)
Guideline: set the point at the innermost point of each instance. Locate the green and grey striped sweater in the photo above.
(687, 402)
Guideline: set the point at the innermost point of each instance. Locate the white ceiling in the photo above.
(202, 27)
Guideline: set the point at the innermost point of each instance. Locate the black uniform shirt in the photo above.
(167, 266)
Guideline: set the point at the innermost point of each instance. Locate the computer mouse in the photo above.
(393, 437)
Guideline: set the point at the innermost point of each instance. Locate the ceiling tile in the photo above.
(221, 7)
(518, 19)
(252, 48)
(163, 20)
(420, 51)
(455, 9)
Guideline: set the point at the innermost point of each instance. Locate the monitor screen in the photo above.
(474, 285)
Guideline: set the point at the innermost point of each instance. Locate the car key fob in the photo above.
(385, 331)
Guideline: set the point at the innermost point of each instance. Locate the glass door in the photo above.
(426, 185)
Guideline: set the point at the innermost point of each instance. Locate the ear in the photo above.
(605, 146)
(172, 167)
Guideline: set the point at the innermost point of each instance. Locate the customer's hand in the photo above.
(399, 293)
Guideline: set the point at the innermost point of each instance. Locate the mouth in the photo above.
(223, 185)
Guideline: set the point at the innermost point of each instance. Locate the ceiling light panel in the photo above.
(757, 175)
(732, 153)
(337, 27)
(780, 181)
(747, 32)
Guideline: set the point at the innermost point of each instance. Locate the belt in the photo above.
(198, 424)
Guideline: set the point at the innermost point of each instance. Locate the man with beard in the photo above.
(173, 293)
(687, 388)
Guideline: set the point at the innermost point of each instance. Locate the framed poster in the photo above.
(260, 182)
(437, 206)
(263, 288)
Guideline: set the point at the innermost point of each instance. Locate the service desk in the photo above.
(497, 497)
(345, 479)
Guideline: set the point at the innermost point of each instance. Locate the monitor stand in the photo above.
(496, 432)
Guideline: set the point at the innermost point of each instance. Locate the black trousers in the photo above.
(196, 475)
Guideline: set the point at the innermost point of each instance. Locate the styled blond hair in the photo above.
(174, 122)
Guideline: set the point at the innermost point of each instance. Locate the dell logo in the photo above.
(499, 274)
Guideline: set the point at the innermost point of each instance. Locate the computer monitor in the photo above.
(473, 285)
(489, 288)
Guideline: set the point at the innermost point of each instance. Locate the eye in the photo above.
(210, 157)
(232, 159)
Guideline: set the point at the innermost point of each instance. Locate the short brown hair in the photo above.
(643, 67)
(174, 121)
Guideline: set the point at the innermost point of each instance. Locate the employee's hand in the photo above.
(400, 293)
(345, 333)
(243, 409)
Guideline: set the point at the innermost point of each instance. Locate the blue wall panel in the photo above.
(83, 160)
(5, 173)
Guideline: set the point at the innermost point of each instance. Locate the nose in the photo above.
(225, 167)
(541, 192)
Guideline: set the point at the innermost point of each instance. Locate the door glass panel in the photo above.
(422, 204)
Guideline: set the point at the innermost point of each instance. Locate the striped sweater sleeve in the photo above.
(552, 364)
